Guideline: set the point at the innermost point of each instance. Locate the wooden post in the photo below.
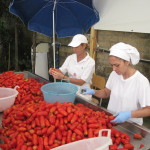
(34, 52)
(9, 57)
(16, 49)
(93, 43)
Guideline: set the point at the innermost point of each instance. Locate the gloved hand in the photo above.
(88, 91)
(122, 117)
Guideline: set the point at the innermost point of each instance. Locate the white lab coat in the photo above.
(80, 70)
(128, 94)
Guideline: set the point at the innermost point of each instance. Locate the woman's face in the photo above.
(80, 49)
(119, 65)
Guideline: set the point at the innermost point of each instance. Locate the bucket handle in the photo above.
(66, 80)
(16, 87)
(108, 132)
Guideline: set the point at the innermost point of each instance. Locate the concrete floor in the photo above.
(147, 122)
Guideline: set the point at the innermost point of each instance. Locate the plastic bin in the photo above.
(7, 98)
(96, 143)
(59, 91)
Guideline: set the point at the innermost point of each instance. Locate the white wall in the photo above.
(123, 15)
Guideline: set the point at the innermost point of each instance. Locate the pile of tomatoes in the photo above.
(33, 124)
(29, 89)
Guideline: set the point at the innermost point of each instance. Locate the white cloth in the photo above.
(126, 52)
(128, 94)
(79, 70)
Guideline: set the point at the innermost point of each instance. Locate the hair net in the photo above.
(126, 52)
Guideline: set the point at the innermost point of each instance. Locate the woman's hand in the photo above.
(122, 117)
(57, 75)
(88, 91)
(52, 70)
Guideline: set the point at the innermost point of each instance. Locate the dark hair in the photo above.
(87, 46)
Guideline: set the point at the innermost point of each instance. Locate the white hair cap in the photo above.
(126, 52)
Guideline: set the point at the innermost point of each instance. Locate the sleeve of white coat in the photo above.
(144, 93)
(65, 65)
(88, 71)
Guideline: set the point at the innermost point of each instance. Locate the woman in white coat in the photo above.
(127, 88)
(79, 66)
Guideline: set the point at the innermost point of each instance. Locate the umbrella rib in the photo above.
(58, 3)
(33, 17)
(95, 12)
(78, 3)
(48, 4)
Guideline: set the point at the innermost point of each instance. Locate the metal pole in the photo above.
(54, 35)
(54, 32)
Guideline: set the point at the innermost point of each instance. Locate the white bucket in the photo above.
(7, 98)
(96, 143)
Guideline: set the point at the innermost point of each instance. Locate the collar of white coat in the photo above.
(84, 59)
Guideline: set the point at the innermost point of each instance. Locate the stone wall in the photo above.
(108, 38)
(105, 40)
(41, 38)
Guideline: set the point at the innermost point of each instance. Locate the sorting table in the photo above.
(127, 127)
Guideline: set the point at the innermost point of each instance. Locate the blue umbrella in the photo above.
(56, 17)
